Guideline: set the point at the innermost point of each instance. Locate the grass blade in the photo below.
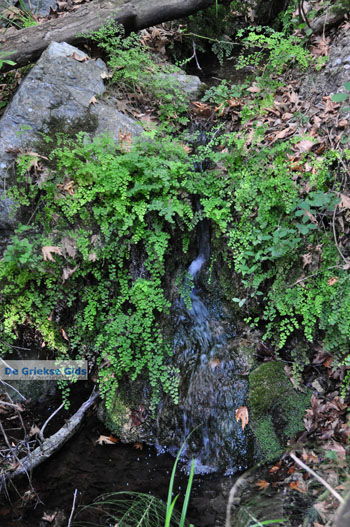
(187, 495)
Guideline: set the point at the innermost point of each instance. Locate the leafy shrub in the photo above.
(135, 70)
(70, 268)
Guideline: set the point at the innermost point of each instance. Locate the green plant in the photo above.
(19, 17)
(94, 213)
(221, 93)
(271, 52)
(133, 68)
(170, 504)
(4, 60)
(343, 97)
(137, 509)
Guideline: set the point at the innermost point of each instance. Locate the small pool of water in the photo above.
(92, 469)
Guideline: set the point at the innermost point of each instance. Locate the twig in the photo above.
(195, 55)
(15, 389)
(238, 483)
(41, 433)
(14, 405)
(335, 236)
(302, 14)
(52, 444)
(316, 476)
(73, 508)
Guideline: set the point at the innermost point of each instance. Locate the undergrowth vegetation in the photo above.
(86, 267)
(70, 272)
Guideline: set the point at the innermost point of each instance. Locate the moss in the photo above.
(276, 409)
(269, 444)
(116, 416)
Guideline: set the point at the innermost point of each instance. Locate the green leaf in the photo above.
(340, 97)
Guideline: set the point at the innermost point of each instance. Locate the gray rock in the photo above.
(333, 76)
(41, 7)
(54, 97)
(189, 84)
(113, 122)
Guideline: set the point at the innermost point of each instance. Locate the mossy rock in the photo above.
(117, 416)
(276, 408)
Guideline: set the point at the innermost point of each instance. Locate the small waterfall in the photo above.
(212, 385)
(212, 374)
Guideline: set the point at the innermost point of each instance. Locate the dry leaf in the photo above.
(283, 133)
(107, 440)
(213, 363)
(262, 484)
(34, 430)
(305, 145)
(254, 89)
(49, 250)
(299, 486)
(64, 334)
(79, 58)
(332, 281)
(125, 140)
(67, 186)
(49, 517)
(307, 259)
(242, 415)
(69, 246)
(106, 75)
(344, 201)
(67, 272)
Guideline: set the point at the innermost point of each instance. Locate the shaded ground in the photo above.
(94, 469)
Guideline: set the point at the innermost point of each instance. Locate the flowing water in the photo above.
(213, 382)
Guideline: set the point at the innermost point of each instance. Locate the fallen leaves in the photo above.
(67, 186)
(344, 201)
(79, 58)
(242, 415)
(49, 250)
(262, 484)
(299, 486)
(107, 440)
(67, 272)
(332, 281)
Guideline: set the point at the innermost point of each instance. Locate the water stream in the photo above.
(213, 384)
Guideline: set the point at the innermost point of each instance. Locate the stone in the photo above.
(191, 85)
(41, 7)
(276, 408)
(114, 122)
(333, 76)
(57, 95)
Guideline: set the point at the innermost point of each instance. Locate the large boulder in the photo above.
(58, 95)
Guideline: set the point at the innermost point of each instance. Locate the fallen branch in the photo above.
(50, 445)
(26, 45)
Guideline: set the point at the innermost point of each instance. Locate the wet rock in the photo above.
(56, 96)
(212, 367)
(276, 408)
